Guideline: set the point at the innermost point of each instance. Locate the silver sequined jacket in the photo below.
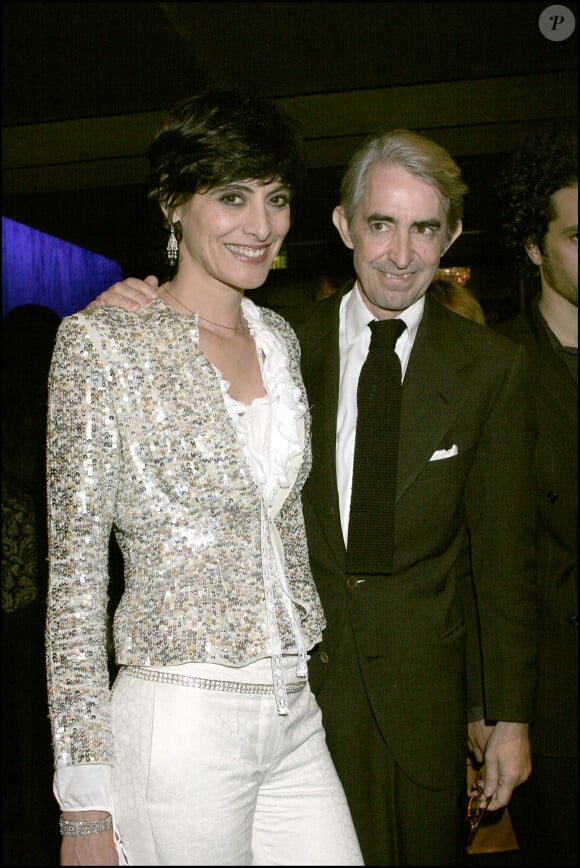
(139, 438)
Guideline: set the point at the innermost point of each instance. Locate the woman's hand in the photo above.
(96, 849)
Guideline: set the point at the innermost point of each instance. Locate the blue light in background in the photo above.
(40, 269)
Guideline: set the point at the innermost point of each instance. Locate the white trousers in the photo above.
(209, 777)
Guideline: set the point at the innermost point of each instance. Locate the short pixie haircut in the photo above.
(424, 159)
(220, 136)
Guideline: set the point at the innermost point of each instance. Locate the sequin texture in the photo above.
(139, 437)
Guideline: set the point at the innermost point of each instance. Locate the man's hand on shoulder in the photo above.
(131, 294)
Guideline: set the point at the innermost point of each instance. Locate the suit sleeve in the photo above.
(501, 517)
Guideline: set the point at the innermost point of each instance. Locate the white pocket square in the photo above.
(439, 454)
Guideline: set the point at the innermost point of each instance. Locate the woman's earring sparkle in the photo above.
(172, 246)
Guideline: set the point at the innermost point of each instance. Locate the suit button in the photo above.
(573, 620)
(552, 496)
(352, 582)
(324, 656)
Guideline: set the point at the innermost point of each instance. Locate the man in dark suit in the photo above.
(391, 675)
(538, 197)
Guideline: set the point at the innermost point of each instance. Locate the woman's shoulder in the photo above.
(114, 321)
(103, 334)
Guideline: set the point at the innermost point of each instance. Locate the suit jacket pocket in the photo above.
(447, 467)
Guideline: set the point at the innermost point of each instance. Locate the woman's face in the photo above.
(232, 234)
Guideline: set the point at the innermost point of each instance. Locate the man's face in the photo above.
(398, 235)
(559, 261)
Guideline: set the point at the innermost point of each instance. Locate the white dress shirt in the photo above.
(354, 340)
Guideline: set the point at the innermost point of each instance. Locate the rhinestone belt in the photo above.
(206, 683)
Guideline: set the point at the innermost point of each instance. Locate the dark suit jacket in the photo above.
(464, 386)
(555, 732)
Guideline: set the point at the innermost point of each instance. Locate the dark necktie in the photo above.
(376, 452)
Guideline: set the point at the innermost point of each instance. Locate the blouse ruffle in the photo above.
(268, 432)
(273, 469)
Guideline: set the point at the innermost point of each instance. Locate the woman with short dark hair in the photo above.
(185, 427)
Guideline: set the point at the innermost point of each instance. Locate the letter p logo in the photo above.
(556, 23)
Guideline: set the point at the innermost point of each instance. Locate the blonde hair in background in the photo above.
(458, 298)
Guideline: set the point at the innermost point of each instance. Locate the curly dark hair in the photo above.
(220, 136)
(526, 183)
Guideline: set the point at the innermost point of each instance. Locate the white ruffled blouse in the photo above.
(271, 433)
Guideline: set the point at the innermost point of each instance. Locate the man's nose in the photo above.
(400, 249)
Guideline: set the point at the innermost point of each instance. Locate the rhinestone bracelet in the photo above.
(74, 828)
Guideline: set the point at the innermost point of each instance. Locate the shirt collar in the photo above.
(358, 316)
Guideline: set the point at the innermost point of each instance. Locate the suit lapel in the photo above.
(432, 393)
(320, 370)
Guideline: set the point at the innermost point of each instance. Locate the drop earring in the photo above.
(172, 246)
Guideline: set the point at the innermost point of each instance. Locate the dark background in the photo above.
(85, 85)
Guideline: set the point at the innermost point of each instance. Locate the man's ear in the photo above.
(534, 253)
(341, 223)
(454, 237)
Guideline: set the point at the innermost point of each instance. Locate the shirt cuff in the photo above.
(83, 788)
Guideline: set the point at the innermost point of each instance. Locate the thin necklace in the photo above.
(204, 318)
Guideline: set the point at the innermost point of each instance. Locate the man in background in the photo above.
(538, 201)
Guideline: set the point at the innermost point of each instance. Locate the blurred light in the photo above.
(40, 269)
(459, 274)
(281, 261)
